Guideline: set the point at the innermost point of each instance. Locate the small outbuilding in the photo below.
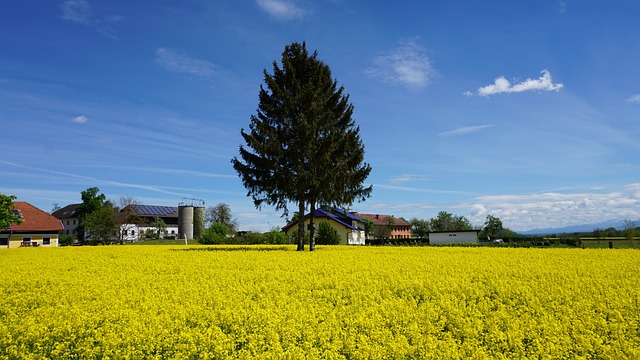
(453, 237)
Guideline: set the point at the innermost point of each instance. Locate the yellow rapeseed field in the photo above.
(136, 302)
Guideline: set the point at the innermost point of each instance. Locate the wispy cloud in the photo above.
(281, 9)
(406, 65)
(167, 171)
(635, 99)
(420, 190)
(404, 178)
(563, 7)
(81, 12)
(77, 11)
(502, 85)
(92, 180)
(179, 62)
(80, 119)
(464, 130)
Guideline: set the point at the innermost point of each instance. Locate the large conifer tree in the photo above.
(303, 146)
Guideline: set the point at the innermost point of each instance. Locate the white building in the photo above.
(144, 216)
(453, 237)
(69, 218)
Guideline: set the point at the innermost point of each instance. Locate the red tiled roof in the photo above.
(34, 219)
(379, 219)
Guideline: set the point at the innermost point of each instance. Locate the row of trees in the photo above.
(446, 221)
(629, 231)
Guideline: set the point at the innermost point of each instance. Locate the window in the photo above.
(74, 222)
(67, 231)
(26, 241)
(67, 222)
(46, 241)
(4, 241)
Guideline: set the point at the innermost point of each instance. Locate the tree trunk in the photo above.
(300, 226)
(312, 226)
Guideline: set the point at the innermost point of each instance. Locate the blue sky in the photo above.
(526, 110)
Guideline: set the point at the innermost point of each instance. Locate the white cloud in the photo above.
(464, 130)
(563, 7)
(502, 85)
(407, 65)
(77, 11)
(178, 62)
(81, 12)
(281, 9)
(408, 178)
(80, 119)
(419, 190)
(554, 209)
(635, 99)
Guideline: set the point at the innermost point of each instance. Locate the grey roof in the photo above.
(66, 212)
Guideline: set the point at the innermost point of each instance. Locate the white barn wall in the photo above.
(453, 237)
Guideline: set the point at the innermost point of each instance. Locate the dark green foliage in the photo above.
(221, 213)
(91, 201)
(160, 227)
(293, 238)
(7, 217)
(214, 234)
(65, 240)
(275, 237)
(101, 225)
(492, 228)
(449, 222)
(420, 228)
(303, 146)
(327, 235)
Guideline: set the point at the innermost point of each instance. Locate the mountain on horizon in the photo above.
(617, 224)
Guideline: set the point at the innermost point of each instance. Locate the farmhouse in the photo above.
(400, 229)
(453, 237)
(349, 227)
(37, 228)
(140, 220)
(143, 217)
(69, 218)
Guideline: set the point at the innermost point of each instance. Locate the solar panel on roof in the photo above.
(155, 210)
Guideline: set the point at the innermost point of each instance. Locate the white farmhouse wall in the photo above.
(70, 226)
(356, 237)
(453, 237)
(133, 232)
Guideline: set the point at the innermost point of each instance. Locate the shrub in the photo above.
(327, 235)
(293, 238)
(215, 234)
(276, 237)
(66, 240)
